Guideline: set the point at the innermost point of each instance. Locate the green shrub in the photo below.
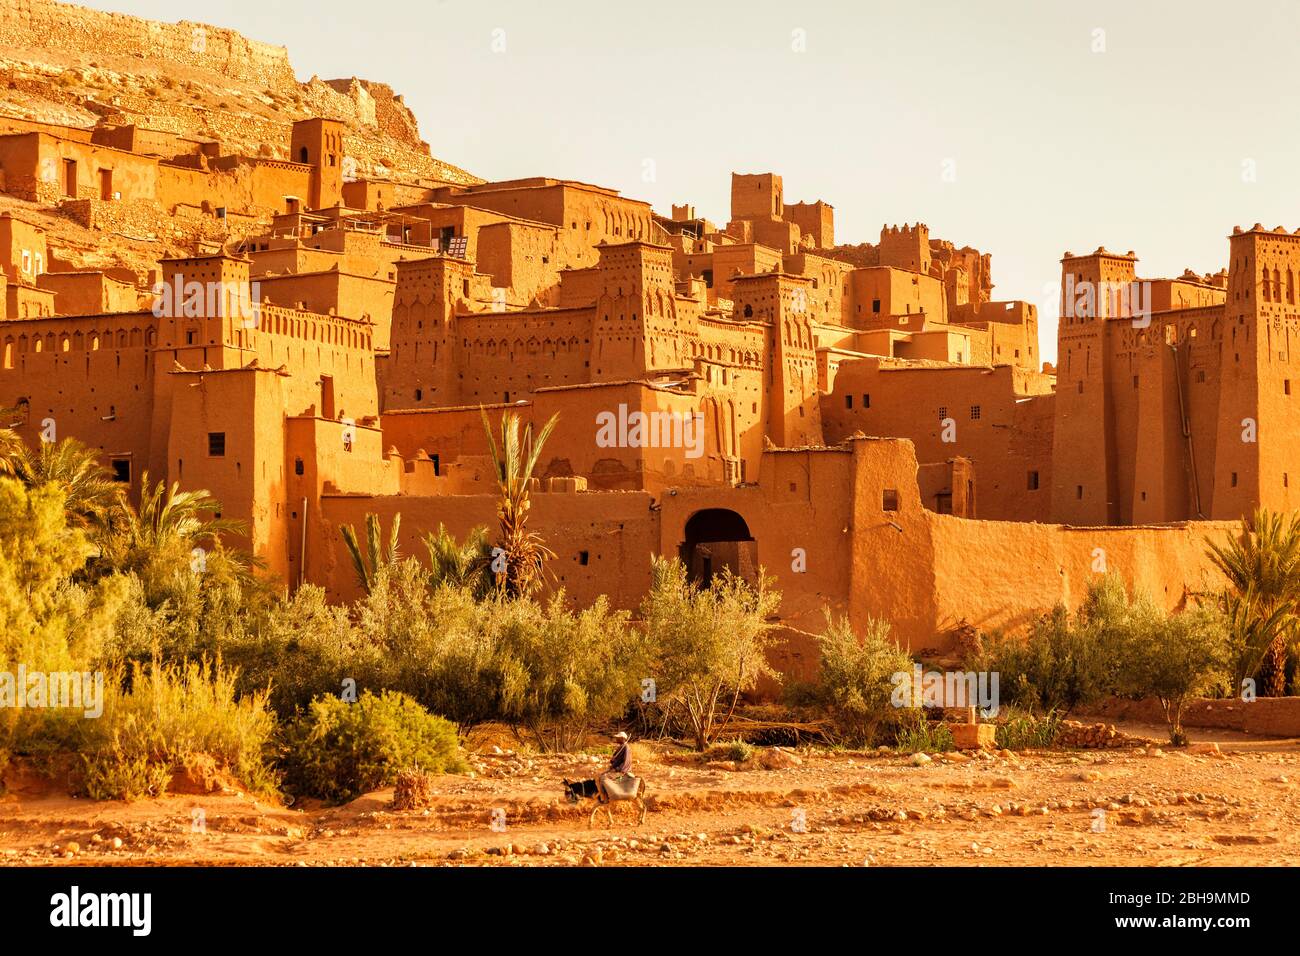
(1184, 656)
(304, 648)
(564, 672)
(1025, 731)
(338, 751)
(712, 642)
(737, 750)
(855, 679)
(116, 775)
(434, 643)
(157, 718)
(1068, 660)
(916, 733)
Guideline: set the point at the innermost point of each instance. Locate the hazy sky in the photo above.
(1150, 126)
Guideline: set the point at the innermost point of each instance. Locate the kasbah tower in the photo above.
(875, 430)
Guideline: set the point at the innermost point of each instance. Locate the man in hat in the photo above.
(621, 762)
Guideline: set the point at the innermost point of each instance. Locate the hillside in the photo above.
(64, 64)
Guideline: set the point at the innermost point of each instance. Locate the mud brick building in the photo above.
(867, 422)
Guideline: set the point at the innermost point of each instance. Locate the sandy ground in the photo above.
(1162, 807)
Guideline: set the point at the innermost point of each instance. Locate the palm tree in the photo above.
(514, 461)
(91, 495)
(464, 565)
(376, 555)
(11, 445)
(1263, 594)
(1258, 629)
(166, 517)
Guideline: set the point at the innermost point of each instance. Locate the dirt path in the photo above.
(1238, 806)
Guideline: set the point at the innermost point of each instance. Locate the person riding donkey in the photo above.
(617, 784)
(620, 765)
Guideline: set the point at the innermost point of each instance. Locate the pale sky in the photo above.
(1157, 135)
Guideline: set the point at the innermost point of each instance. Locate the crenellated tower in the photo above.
(1259, 429)
(781, 302)
(635, 330)
(424, 355)
(906, 247)
(1085, 466)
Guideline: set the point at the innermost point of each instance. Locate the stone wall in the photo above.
(1267, 716)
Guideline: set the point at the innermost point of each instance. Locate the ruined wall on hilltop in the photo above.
(64, 28)
(382, 109)
(60, 63)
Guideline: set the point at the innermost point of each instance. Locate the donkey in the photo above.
(605, 792)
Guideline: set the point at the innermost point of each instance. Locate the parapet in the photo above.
(905, 230)
(568, 485)
(1259, 228)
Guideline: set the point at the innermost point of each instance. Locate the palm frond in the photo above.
(376, 555)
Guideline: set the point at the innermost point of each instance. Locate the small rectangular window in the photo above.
(974, 413)
(216, 444)
(875, 305)
(1286, 387)
(1033, 481)
(1234, 479)
(848, 401)
(121, 469)
(866, 400)
(943, 412)
(889, 501)
(1078, 492)
(584, 557)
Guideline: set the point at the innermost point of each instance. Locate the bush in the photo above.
(1071, 660)
(304, 648)
(436, 644)
(916, 733)
(1184, 656)
(737, 750)
(1024, 731)
(543, 669)
(561, 672)
(855, 681)
(157, 719)
(338, 751)
(117, 775)
(712, 643)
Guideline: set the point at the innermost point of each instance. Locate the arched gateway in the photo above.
(718, 538)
